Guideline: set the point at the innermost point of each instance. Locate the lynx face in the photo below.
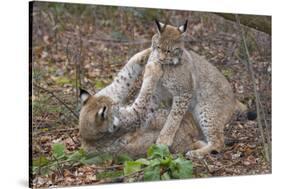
(95, 118)
(168, 43)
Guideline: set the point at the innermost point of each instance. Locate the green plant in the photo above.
(160, 165)
(60, 159)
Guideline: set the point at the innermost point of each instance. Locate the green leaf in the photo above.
(143, 161)
(62, 80)
(99, 84)
(165, 176)
(39, 165)
(166, 161)
(58, 150)
(154, 162)
(76, 156)
(90, 159)
(158, 151)
(120, 159)
(181, 168)
(227, 73)
(39, 162)
(152, 173)
(131, 167)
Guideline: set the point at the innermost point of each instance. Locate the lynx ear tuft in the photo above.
(183, 27)
(160, 26)
(103, 112)
(84, 95)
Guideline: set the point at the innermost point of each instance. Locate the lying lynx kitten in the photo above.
(96, 137)
(196, 86)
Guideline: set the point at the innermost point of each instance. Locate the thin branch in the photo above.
(266, 127)
(265, 145)
(58, 99)
(57, 131)
(109, 167)
(117, 42)
(204, 162)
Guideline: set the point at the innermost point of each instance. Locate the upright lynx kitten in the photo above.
(195, 85)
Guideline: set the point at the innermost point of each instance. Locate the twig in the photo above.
(58, 99)
(57, 131)
(109, 167)
(59, 166)
(117, 42)
(74, 141)
(266, 127)
(77, 68)
(131, 175)
(207, 166)
(227, 166)
(265, 146)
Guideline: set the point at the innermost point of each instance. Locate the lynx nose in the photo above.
(115, 125)
(162, 56)
(116, 121)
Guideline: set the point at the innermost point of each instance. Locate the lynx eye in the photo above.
(158, 47)
(177, 51)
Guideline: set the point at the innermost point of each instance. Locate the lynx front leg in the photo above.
(132, 114)
(179, 108)
(126, 77)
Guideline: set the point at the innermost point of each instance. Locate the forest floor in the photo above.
(99, 48)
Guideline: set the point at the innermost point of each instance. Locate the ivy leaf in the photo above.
(143, 161)
(152, 173)
(58, 150)
(131, 167)
(181, 168)
(158, 151)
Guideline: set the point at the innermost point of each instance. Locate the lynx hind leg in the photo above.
(212, 128)
(197, 145)
(187, 135)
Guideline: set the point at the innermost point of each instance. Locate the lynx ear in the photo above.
(160, 26)
(183, 27)
(103, 112)
(84, 95)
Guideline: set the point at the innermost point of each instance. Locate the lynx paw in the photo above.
(193, 154)
(164, 140)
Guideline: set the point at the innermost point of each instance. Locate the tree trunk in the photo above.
(261, 23)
